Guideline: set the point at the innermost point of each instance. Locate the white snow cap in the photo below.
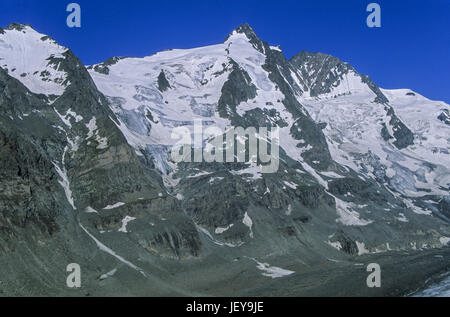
(26, 53)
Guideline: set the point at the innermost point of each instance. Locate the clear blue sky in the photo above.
(410, 50)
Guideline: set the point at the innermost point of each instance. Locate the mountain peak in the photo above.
(245, 29)
(248, 31)
(305, 56)
(33, 58)
(26, 29)
(18, 26)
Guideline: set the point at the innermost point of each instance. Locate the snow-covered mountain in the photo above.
(395, 137)
(363, 171)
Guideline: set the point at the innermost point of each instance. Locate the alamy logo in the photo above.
(374, 18)
(74, 278)
(374, 278)
(74, 18)
(233, 145)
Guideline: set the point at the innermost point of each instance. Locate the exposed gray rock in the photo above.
(402, 135)
(103, 68)
(237, 88)
(445, 116)
(163, 84)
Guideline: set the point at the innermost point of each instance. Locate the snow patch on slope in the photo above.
(113, 206)
(104, 248)
(65, 184)
(125, 221)
(272, 271)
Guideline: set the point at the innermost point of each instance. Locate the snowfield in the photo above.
(26, 55)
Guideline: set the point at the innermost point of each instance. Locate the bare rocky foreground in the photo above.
(402, 274)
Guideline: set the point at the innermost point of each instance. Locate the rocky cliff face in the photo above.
(86, 174)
